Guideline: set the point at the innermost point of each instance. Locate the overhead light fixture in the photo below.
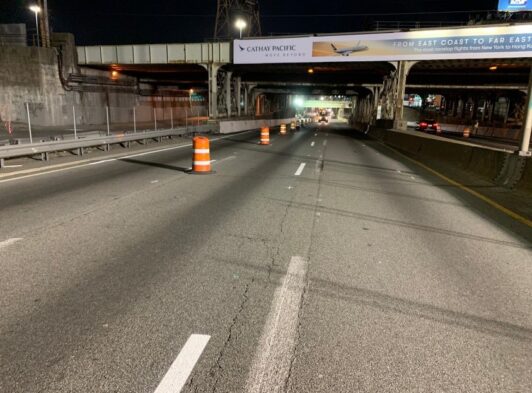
(36, 10)
(493, 68)
(240, 24)
(310, 70)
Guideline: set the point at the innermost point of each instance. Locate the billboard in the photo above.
(463, 43)
(515, 5)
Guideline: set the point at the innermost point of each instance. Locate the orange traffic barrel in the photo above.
(293, 126)
(265, 136)
(201, 161)
(283, 129)
(467, 131)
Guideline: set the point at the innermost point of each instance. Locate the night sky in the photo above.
(157, 21)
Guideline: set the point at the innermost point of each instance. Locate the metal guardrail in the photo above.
(46, 147)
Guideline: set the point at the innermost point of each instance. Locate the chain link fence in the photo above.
(32, 122)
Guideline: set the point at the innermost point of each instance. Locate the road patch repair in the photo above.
(273, 358)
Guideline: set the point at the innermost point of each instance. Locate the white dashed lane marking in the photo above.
(9, 242)
(180, 370)
(300, 169)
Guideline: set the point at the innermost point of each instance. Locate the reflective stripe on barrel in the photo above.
(201, 161)
(264, 136)
(283, 129)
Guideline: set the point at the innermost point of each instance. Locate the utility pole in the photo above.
(229, 11)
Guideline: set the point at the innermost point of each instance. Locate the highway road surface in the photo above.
(324, 262)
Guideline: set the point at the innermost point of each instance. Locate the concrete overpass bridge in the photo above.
(488, 65)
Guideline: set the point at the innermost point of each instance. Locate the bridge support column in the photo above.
(228, 103)
(403, 68)
(212, 70)
(527, 121)
(246, 99)
(377, 103)
(238, 92)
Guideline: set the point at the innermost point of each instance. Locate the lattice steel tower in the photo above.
(229, 11)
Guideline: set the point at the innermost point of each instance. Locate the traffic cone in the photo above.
(201, 161)
(265, 136)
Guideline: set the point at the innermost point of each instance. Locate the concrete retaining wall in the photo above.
(526, 180)
(230, 126)
(31, 75)
(483, 162)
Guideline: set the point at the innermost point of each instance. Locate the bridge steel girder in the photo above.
(193, 53)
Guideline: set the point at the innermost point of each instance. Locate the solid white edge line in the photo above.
(178, 373)
(9, 242)
(300, 169)
(74, 166)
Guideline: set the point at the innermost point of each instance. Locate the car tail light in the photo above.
(423, 124)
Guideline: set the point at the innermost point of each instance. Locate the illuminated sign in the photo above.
(515, 5)
(462, 43)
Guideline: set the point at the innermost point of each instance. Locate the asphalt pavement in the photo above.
(324, 262)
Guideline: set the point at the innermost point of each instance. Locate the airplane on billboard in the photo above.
(348, 51)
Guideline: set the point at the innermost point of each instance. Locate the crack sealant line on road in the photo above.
(28, 173)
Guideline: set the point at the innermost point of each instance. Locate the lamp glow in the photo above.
(36, 10)
(240, 24)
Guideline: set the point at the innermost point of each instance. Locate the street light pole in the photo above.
(36, 9)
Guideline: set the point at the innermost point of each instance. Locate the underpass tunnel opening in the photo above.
(304, 89)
